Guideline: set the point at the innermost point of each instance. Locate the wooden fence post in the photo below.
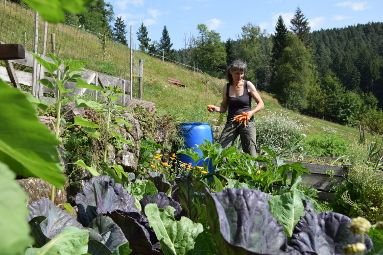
(53, 43)
(123, 84)
(131, 65)
(35, 89)
(140, 78)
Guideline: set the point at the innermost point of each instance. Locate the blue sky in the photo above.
(181, 17)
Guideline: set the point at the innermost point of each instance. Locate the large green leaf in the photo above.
(15, 238)
(54, 10)
(26, 145)
(70, 241)
(176, 237)
(287, 208)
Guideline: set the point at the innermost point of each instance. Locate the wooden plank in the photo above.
(11, 51)
(175, 82)
(24, 78)
(12, 74)
(26, 61)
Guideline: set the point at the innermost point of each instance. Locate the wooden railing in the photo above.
(16, 77)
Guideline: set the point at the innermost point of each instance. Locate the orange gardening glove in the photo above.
(242, 118)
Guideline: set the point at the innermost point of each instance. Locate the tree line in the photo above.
(334, 74)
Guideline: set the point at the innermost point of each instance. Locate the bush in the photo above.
(278, 132)
(327, 145)
(361, 194)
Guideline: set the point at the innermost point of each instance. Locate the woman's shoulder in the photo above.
(250, 85)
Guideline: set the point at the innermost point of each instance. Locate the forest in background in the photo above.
(334, 74)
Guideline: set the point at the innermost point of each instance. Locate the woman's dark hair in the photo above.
(236, 65)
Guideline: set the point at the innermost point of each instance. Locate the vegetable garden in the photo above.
(247, 205)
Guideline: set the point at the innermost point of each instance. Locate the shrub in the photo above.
(327, 145)
(361, 194)
(278, 132)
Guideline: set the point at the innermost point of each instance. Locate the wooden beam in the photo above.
(11, 51)
(12, 74)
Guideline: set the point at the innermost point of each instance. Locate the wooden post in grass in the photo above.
(10, 52)
(35, 89)
(131, 64)
(53, 43)
(123, 84)
(140, 77)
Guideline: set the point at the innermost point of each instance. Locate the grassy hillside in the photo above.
(186, 104)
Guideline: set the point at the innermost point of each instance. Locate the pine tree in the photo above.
(119, 31)
(279, 39)
(143, 38)
(165, 44)
(300, 27)
(279, 44)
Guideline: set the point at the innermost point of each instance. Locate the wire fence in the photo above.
(17, 25)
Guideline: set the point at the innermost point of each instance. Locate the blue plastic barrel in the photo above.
(195, 134)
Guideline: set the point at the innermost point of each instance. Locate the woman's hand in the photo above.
(242, 118)
(212, 108)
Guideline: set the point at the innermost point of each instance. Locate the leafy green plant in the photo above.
(61, 73)
(361, 194)
(71, 240)
(323, 145)
(176, 237)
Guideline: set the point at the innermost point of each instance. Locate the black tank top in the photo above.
(237, 105)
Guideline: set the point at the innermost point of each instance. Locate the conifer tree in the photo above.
(300, 27)
(165, 44)
(143, 38)
(279, 39)
(279, 43)
(119, 31)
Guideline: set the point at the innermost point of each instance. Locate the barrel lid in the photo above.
(194, 123)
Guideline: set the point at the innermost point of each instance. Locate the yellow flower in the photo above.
(355, 248)
(360, 225)
(173, 156)
(158, 156)
(199, 168)
(204, 172)
(153, 166)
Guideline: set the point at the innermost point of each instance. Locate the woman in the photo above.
(237, 95)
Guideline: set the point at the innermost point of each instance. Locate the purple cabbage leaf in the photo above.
(101, 195)
(324, 233)
(242, 223)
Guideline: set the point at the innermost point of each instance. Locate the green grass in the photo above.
(186, 104)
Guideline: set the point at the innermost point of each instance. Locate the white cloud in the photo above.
(124, 4)
(154, 13)
(213, 24)
(149, 22)
(355, 6)
(316, 22)
(340, 17)
(135, 2)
